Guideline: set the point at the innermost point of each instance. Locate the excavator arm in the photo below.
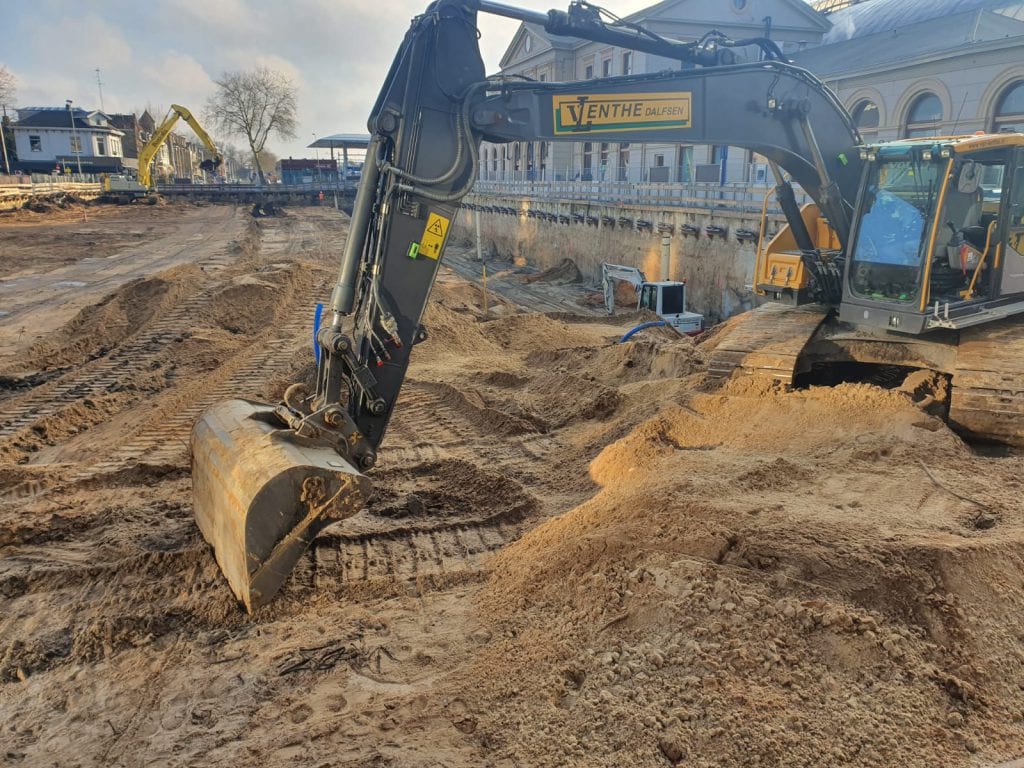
(612, 272)
(160, 134)
(267, 478)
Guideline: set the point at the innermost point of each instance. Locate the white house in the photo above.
(44, 138)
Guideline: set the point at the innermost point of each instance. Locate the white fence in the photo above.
(36, 179)
(14, 188)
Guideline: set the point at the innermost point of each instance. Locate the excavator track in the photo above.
(988, 383)
(767, 342)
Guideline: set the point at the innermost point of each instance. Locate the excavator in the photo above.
(160, 134)
(908, 256)
(126, 190)
(666, 298)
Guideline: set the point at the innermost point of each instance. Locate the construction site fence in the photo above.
(40, 183)
(735, 196)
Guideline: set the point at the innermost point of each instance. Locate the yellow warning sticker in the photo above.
(612, 112)
(433, 236)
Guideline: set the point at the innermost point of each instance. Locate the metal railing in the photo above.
(229, 187)
(735, 196)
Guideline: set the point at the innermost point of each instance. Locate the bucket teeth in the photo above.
(261, 494)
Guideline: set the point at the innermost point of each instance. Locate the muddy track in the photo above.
(413, 558)
(422, 413)
(125, 362)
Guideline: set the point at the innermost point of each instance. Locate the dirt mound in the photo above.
(534, 332)
(619, 364)
(556, 400)
(562, 273)
(662, 627)
(453, 331)
(625, 297)
(448, 489)
(246, 306)
(100, 328)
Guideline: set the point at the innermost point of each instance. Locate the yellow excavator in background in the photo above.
(125, 190)
(149, 151)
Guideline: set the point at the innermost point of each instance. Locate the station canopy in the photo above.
(342, 141)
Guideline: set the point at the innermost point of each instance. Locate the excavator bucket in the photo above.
(261, 495)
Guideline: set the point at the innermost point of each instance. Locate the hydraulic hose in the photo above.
(642, 326)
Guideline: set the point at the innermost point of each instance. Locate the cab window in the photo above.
(649, 298)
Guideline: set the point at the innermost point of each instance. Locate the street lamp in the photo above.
(316, 154)
(74, 132)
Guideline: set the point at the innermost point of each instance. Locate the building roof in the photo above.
(927, 28)
(539, 33)
(800, 7)
(875, 16)
(57, 117)
(342, 141)
(124, 121)
(657, 12)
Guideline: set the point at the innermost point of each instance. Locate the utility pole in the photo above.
(3, 141)
(99, 85)
(74, 132)
(316, 154)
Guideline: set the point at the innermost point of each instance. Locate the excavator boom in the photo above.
(149, 151)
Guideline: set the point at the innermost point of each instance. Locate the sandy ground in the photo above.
(578, 554)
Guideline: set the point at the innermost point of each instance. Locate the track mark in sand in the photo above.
(101, 376)
(167, 441)
(453, 434)
(461, 514)
(447, 551)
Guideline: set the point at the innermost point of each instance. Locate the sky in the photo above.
(152, 54)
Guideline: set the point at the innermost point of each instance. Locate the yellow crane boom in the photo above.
(148, 153)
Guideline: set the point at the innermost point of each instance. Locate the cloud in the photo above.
(337, 51)
(178, 78)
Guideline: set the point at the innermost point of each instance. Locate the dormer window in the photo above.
(528, 44)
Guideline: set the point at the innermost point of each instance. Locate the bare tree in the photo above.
(7, 87)
(254, 104)
(7, 90)
(268, 160)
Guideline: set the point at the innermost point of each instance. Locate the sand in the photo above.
(579, 553)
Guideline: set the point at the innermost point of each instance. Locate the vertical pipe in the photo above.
(666, 256)
(479, 246)
(344, 294)
(3, 145)
(344, 161)
(487, 308)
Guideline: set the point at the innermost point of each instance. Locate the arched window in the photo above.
(865, 117)
(1009, 115)
(923, 117)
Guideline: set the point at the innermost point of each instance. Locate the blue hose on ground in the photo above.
(316, 329)
(642, 326)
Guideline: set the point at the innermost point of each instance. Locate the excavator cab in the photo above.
(930, 248)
